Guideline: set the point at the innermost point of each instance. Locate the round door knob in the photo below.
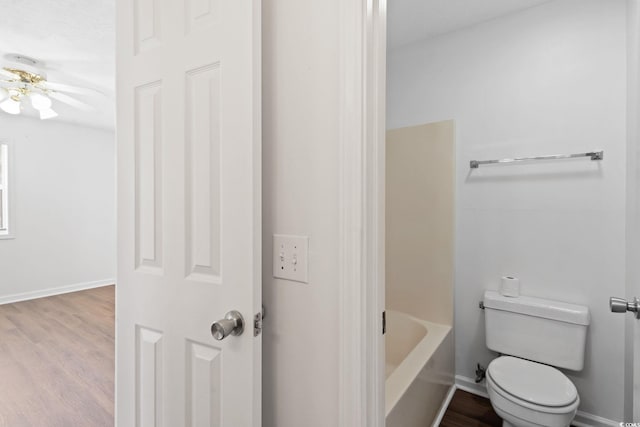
(618, 305)
(232, 324)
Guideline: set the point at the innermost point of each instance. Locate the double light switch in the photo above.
(290, 257)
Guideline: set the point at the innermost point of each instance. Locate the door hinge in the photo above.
(384, 322)
(257, 322)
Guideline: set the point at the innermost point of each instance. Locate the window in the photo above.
(4, 190)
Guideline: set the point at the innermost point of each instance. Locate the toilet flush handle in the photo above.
(620, 305)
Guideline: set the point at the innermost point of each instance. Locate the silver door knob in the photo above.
(232, 324)
(620, 305)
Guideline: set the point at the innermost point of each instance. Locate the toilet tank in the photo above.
(541, 330)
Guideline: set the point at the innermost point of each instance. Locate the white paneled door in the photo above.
(189, 196)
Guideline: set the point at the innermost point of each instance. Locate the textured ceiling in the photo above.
(76, 41)
(413, 20)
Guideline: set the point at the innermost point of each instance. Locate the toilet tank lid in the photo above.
(532, 306)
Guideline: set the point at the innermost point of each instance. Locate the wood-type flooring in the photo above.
(470, 410)
(57, 360)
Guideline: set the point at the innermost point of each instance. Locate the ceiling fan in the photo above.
(24, 83)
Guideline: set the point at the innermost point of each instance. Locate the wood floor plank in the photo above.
(57, 360)
(467, 409)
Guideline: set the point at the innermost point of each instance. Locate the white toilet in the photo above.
(531, 334)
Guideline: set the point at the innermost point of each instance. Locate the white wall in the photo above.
(64, 214)
(300, 196)
(547, 80)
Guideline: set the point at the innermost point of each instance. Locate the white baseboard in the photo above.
(582, 419)
(8, 299)
(444, 407)
(469, 384)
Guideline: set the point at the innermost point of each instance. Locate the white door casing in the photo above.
(632, 335)
(189, 211)
(362, 204)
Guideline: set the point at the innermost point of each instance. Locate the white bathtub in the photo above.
(419, 369)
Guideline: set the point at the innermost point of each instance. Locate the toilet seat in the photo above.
(536, 386)
(525, 406)
(516, 411)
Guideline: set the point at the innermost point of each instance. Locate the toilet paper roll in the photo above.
(510, 286)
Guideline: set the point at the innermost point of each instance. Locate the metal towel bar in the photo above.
(594, 155)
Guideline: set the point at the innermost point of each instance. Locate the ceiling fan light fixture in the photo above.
(40, 102)
(47, 113)
(25, 80)
(10, 106)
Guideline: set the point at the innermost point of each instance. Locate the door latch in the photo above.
(384, 322)
(257, 322)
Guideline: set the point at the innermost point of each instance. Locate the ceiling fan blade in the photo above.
(66, 99)
(8, 74)
(61, 87)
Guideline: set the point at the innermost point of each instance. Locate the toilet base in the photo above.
(508, 424)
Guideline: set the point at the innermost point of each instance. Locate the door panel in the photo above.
(203, 174)
(148, 177)
(188, 101)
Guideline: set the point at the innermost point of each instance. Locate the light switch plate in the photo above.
(290, 257)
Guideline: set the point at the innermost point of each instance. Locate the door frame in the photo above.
(362, 52)
(632, 288)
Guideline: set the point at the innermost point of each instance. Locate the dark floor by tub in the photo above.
(468, 410)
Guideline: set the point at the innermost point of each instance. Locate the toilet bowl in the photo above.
(530, 394)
